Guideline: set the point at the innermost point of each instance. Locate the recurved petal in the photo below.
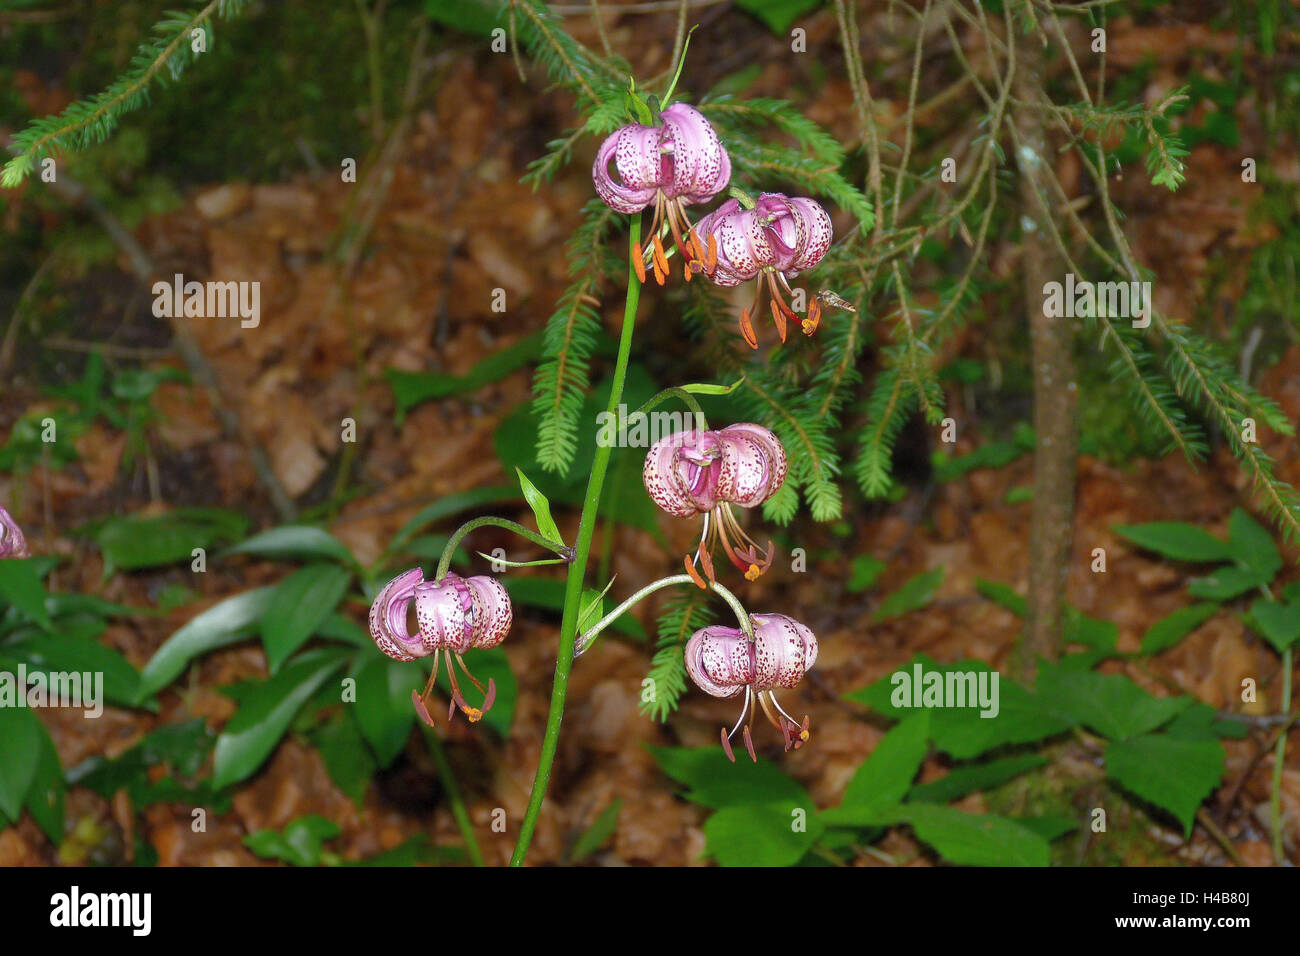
(388, 618)
(784, 650)
(12, 542)
(753, 465)
(492, 611)
(444, 613)
(635, 150)
(673, 476)
(815, 227)
(700, 165)
(742, 245)
(720, 660)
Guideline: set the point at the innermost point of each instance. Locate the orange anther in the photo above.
(753, 573)
(778, 316)
(661, 258)
(747, 329)
(712, 262)
(695, 575)
(638, 261)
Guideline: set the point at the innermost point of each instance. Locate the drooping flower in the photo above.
(774, 241)
(12, 542)
(722, 661)
(452, 616)
(706, 472)
(676, 164)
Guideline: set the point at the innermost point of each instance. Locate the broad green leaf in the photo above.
(972, 777)
(776, 834)
(888, 772)
(298, 606)
(77, 654)
(1178, 540)
(20, 754)
(1049, 826)
(301, 842)
(1091, 631)
(541, 509)
(1228, 582)
(864, 572)
(445, 507)
(347, 759)
(45, 797)
(779, 15)
(1168, 631)
(594, 837)
(413, 388)
(1174, 774)
(225, 623)
(1278, 623)
(383, 707)
(21, 586)
(713, 780)
(479, 17)
(964, 838)
(962, 732)
(1001, 594)
(295, 541)
(548, 594)
(913, 595)
(1110, 704)
(265, 712)
(131, 543)
(1251, 544)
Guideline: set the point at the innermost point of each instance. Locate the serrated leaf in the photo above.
(1279, 624)
(761, 835)
(963, 838)
(1110, 704)
(972, 777)
(1228, 582)
(714, 781)
(1174, 774)
(1251, 544)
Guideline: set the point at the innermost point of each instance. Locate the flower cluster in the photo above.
(682, 162)
(12, 542)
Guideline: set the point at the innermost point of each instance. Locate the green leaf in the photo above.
(913, 595)
(1251, 544)
(887, 774)
(224, 623)
(761, 835)
(383, 707)
(1110, 704)
(699, 388)
(594, 837)
(1091, 631)
(1168, 631)
(1228, 582)
(295, 541)
(778, 15)
(21, 586)
(963, 838)
(548, 594)
(20, 754)
(298, 605)
(132, 543)
(347, 759)
(1174, 774)
(1049, 826)
(1178, 540)
(1278, 623)
(714, 781)
(541, 509)
(864, 572)
(265, 712)
(1022, 717)
(300, 844)
(445, 507)
(1003, 595)
(413, 388)
(479, 17)
(972, 777)
(45, 797)
(77, 654)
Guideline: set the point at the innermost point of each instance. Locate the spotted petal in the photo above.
(720, 660)
(784, 650)
(699, 163)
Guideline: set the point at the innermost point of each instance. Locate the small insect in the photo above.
(827, 297)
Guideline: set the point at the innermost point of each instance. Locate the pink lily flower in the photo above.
(671, 166)
(722, 661)
(706, 472)
(773, 242)
(12, 542)
(452, 616)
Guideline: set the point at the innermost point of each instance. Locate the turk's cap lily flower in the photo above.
(706, 472)
(12, 542)
(452, 616)
(773, 242)
(722, 662)
(670, 166)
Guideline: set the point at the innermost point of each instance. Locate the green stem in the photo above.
(444, 562)
(584, 640)
(1279, 755)
(578, 569)
(452, 792)
(687, 398)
